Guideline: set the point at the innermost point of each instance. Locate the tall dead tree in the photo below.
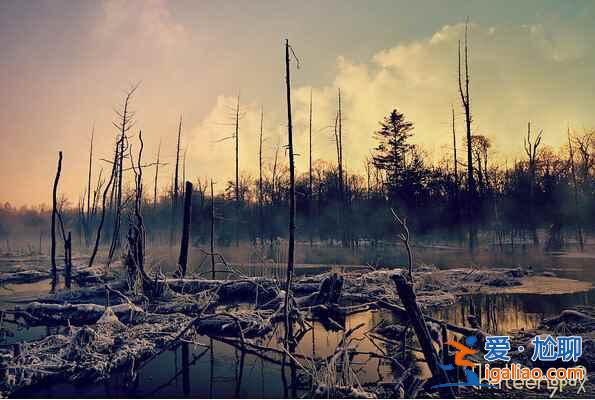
(237, 181)
(156, 176)
(454, 150)
(176, 189)
(53, 225)
(457, 211)
(260, 188)
(212, 232)
(310, 187)
(124, 123)
(310, 146)
(88, 215)
(177, 170)
(183, 259)
(291, 244)
(531, 149)
(338, 130)
(104, 207)
(466, 102)
(579, 229)
(339, 139)
(68, 261)
(184, 166)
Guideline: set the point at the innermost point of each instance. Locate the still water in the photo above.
(220, 370)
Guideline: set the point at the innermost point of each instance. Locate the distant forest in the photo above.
(551, 191)
(546, 198)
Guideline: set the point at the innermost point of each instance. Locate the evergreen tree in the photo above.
(390, 154)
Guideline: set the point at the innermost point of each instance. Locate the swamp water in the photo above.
(220, 370)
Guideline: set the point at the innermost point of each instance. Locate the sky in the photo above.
(65, 66)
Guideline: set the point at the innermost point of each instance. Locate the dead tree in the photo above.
(176, 190)
(404, 236)
(340, 147)
(454, 150)
(88, 218)
(466, 102)
(291, 244)
(177, 170)
(310, 146)
(103, 208)
(183, 259)
(310, 187)
(184, 166)
(212, 232)
(68, 261)
(53, 226)
(579, 230)
(138, 201)
(531, 149)
(156, 175)
(237, 181)
(124, 124)
(260, 181)
(407, 295)
(456, 165)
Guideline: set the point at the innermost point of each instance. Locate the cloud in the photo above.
(139, 28)
(541, 73)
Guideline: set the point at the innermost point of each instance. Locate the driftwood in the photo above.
(407, 295)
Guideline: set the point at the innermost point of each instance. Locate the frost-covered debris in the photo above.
(97, 339)
(91, 352)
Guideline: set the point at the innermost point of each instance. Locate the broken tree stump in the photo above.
(407, 295)
(53, 225)
(183, 260)
(68, 259)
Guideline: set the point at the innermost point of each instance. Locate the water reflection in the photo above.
(221, 370)
(504, 313)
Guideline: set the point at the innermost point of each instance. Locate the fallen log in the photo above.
(407, 295)
(76, 314)
(29, 276)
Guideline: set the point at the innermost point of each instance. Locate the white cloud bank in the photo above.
(518, 73)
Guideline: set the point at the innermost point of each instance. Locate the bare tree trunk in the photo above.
(125, 123)
(68, 266)
(579, 229)
(290, 248)
(212, 232)
(407, 295)
(465, 100)
(103, 208)
(310, 191)
(53, 226)
(183, 260)
(184, 166)
(531, 148)
(454, 149)
(88, 219)
(340, 155)
(156, 175)
(177, 171)
(176, 189)
(237, 182)
(260, 194)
